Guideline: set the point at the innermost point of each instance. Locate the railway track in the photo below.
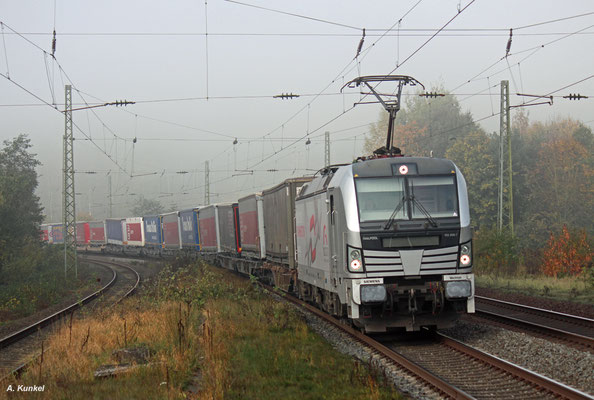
(455, 370)
(569, 329)
(19, 348)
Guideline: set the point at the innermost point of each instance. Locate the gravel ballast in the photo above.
(561, 363)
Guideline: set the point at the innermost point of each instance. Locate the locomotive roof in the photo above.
(383, 166)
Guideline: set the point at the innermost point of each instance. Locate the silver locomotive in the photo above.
(387, 243)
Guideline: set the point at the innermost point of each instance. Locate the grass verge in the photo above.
(208, 335)
(566, 289)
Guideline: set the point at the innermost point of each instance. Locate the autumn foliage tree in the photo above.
(567, 254)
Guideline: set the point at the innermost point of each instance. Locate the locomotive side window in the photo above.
(377, 198)
(436, 194)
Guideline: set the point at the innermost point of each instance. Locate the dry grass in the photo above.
(211, 336)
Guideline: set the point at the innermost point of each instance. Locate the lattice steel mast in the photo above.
(69, 211)
(505, 214)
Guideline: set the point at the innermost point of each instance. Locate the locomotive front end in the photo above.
(409, 247)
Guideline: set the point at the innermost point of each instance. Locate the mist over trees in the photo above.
(147, 207)
(553, 185)
(20, 209)
(424, 125)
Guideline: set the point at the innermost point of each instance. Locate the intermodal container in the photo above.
(208, 228)
(279, 220)
(97, 232)
(114, 231)
(83, 233)
(228, 220)
(134, 232)
(152, 231)
(251, 226)
(190, 237)
(44, 231)
(57, 233)
(171, 230)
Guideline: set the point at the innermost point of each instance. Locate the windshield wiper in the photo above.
(393, 216)
(424, 211)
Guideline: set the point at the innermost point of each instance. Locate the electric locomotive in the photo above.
(387, 243)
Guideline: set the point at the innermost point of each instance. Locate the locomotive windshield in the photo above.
(378, 196)
(399, 198)
(436, 194)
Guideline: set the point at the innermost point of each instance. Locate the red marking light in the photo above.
(403, 169)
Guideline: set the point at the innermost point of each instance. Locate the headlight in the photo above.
(373, 294)
(457, 289)
(465, 254)
(355, 263)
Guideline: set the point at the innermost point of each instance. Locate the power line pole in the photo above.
(68, 195)
(505, 215)
(206, 184)
(327, 149)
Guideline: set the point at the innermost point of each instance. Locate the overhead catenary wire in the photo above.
(295, 15)
(5, 50)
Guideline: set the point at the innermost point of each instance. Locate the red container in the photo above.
(208, 229)
(134, 232)
(171, 231)
(83, 233)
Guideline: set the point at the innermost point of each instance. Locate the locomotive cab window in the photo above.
(377, 198)
(437, 195)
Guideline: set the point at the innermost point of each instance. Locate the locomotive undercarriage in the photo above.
(411, 304)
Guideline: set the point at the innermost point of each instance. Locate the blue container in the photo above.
(57, 233)
(113, 231)
(153, 235)
(189, 229)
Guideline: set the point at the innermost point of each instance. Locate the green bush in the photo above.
(496, 253)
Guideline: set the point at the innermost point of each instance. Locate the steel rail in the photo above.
(569, 337)
(15, 337)
(431, 379)
(557, 388)
(578, 319)
(54, 317)
(129, 292)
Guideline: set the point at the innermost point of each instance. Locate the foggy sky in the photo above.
(155, 53)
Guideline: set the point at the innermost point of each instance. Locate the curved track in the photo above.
(17, 349)
(570, 329)
(456, 370)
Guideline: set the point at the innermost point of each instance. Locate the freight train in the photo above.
(385, 242)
